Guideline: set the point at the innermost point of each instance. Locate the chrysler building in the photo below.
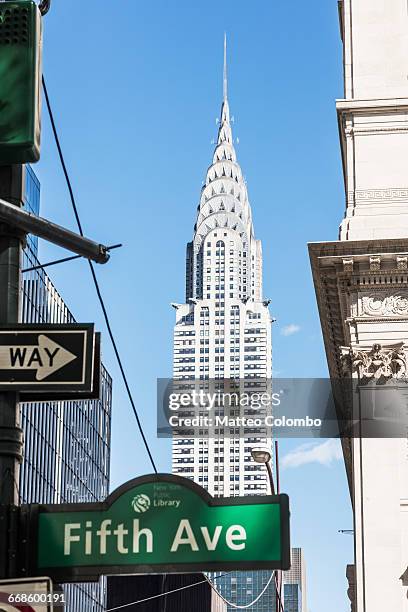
(223, 330)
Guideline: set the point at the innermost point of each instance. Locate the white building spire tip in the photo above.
(225, 82)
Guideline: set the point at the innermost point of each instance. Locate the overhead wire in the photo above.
(189, 586)
(95, 281)
(139, 601)
(64, 260)
(257, 598)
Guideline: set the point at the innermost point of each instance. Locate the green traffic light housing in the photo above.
(20, 82)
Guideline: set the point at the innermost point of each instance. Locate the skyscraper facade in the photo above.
(223, 335)
(66, 443)
(361, 289)
(294, 583)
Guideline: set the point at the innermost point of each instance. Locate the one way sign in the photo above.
(47, 357)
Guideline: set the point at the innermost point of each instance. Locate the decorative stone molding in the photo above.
(348, 265)
(351, 591)
(379, 304)
(371, 131)
(376, 304)
(379, 194)
(348, 130)
(399, 304)
(375, 264)
(351, 197)
(376, 363)
(402, 263)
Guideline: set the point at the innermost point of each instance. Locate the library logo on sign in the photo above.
(141, 503)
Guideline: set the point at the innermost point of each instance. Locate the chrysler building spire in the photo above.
(225, 88)
(224, 203)
(225, 117)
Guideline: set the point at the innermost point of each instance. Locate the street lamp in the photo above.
(262, 454)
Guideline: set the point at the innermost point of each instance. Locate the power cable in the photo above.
(139, 601)
(257, 598)
(95, 280)
(64, 260)
(189, 586)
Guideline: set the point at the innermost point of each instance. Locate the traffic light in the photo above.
(20, 82)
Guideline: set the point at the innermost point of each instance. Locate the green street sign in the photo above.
(159, 523)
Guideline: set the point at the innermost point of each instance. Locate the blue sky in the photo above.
(136, 88)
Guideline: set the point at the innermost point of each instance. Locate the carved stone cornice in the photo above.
(379, 319)
(337, 293)
(374, 105)
(370, 131)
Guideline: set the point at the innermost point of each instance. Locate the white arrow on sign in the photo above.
(46, 358)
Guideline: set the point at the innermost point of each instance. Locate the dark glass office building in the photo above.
(294, 583)
(67, 443)
(163, 593)
(241, 588)
(292, 598)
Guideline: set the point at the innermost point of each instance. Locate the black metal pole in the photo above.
(11, 435)
(279, 574)
(164, 598)
(32, 224)
(268, 467)
(278, 591)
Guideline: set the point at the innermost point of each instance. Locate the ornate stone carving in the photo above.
(351, 591)
(349, 131)
(377, 362)
(375, 304)
(399, 304)
(378, 304)
(348, 265)
(402, 263)
(375, 264)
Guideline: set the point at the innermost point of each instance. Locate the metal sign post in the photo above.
(36, 362)
(11, 435)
